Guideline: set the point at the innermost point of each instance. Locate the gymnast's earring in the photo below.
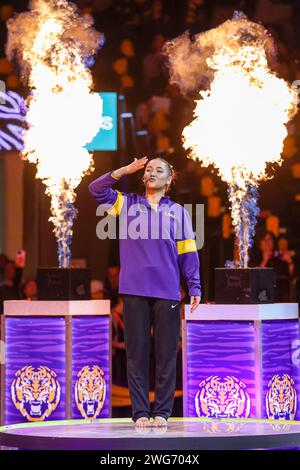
(168, 185)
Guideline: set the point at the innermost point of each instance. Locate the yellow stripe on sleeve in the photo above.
(185, 246)
(117, 207)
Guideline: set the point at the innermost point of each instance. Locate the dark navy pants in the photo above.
(139, 314)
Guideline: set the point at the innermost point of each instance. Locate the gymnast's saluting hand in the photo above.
(195, 301)
(136, 165)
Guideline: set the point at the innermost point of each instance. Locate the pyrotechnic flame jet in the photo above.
(52, 43)
(242, 108)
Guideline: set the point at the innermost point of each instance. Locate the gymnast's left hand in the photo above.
(195, 301)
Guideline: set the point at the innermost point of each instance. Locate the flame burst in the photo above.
(241, 114)
(51, 43)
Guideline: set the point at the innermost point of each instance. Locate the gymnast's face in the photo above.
(157, 175)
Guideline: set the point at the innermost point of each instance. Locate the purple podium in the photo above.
(57, 360)
(241, 361)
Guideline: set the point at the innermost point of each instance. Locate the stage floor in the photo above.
(181, 434)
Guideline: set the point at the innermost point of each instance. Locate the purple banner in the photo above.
(281, 372)
(220, 369)
(35, 369)
(91, 367)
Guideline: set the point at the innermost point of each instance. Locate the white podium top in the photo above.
(58, 308)
(240, 312)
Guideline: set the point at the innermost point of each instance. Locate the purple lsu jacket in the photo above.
(154, 244)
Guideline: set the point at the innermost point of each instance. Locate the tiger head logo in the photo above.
(281, 398)
(35, 392)
(225, 397)
(90, 391)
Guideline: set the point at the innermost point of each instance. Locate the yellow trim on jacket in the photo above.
(186, 246)
(117, 207)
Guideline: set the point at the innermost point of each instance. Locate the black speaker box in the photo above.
(64, 283)
(244, 285)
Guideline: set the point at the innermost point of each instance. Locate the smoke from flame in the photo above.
(51, 43)
(241, 113)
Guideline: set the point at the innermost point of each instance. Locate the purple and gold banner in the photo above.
(35, 369)
(91, 367)
(281, 374)
(220, 369)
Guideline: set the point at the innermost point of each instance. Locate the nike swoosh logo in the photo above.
(173, 306)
